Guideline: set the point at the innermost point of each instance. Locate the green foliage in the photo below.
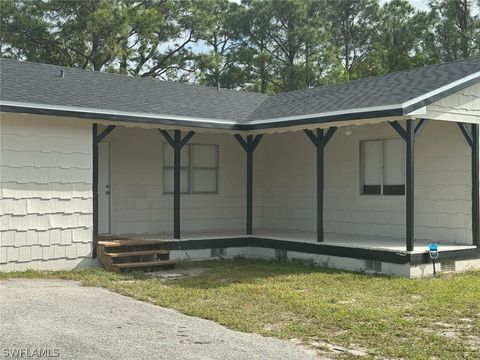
(217, 30)
(457, 30)
(257, 45)
(401, 41)
(355, 29)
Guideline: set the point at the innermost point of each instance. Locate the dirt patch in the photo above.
(175, 274)
(329, 351)
(456, 331)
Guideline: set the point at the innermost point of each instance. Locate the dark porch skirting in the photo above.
(389, 256)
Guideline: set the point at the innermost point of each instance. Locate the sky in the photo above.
(419, 4)
(423, 5)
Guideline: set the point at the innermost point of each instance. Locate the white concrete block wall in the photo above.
(46, 192)
(138, 203)
(286, 185)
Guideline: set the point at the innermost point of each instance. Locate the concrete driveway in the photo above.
(77, 322)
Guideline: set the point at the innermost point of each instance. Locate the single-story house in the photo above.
(360, 176)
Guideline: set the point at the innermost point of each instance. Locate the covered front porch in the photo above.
(298, 194)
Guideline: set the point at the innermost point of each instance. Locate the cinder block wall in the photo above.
(287, 188)
(46, 192)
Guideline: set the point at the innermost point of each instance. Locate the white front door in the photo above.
(104, 187)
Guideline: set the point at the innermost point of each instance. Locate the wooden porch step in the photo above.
(138, 253)
(111, 237)
(145, 264)
(127, 242)
(117, 253)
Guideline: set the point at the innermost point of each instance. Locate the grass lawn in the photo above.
(383, 316)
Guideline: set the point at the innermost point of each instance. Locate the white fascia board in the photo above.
(419, 111)
(114, 112)
(441, 89)
(194, 119)
(327, 114)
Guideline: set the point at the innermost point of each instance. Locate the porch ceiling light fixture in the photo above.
(348, 131)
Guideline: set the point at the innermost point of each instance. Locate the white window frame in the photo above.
(188, 147)
(362, 166)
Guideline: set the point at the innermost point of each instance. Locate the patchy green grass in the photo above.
(383, 316)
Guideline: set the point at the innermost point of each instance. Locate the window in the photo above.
(383, 167)
(198, 169)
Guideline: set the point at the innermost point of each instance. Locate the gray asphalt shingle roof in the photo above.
(382, 90)
(35, 83)
(42, 84)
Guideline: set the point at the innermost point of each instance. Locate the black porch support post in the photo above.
(410, 229)
(249, 146)
(96, 139)
(472, 138)
(320, 140)
(95, 190)
(409, 135)
(320, 186)
(475, 187)
(176, 143)
(176, 185)
(249, 188)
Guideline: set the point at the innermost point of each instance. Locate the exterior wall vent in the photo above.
(219, 252)
(281, 255)
(447, 266)
(373, 265)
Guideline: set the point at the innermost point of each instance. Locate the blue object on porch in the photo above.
(433, 250)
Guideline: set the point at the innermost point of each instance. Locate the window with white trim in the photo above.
(382, 167)
(198, 169)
